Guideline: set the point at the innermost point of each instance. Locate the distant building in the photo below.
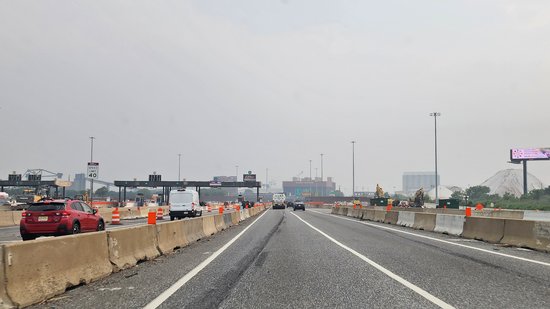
(79, 182)
(412, 181)
(306, 187)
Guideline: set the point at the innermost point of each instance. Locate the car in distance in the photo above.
(279, 201)
(299, 205)
(184, 203)
(59, 217)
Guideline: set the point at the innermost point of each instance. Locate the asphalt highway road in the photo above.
(11, 233)
(311, 259)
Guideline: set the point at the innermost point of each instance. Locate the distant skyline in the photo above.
(273, 85)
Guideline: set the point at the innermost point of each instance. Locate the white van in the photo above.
(184, 203)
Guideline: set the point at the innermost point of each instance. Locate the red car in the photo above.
(59, 217)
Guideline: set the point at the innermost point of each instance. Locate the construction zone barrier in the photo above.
(235, 218)
(160, 214)
(379, 215)
(7, 218)
(424, 221)
(391, 217)
(171, 236)
(406, 218)
(228, 220)
(130, 245)
(33, 271)
(487, 229)
(369, 214)
(115, 217)
(219, 223)
(528, 234)
(193, 229)
(152, 217)
(37, 270)
(449, 224)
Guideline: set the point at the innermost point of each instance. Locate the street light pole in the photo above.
(435, 115)
(322, 167)
(179, 166)
(310, 181)
(353, 166)
(266, 178)
(92, 179)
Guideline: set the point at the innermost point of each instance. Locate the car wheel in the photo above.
(28, 237)
(76, 228)
(200, 215)
(100, 225)
(172, 218)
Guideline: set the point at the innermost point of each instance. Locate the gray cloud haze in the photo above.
(272, 85)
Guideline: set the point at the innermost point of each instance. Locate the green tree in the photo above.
(103, 191)
(477, 192)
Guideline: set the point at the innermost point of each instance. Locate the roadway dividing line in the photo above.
(438, 240)
(183, 280)
(387, 272)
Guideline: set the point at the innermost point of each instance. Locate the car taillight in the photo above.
(62, 214)
(25, 214)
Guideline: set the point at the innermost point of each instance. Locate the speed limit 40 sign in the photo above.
(93, 170)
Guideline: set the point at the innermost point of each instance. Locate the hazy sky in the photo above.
(272, 84)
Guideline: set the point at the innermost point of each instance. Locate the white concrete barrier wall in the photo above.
(449, 224)
(535, 215)
(406, 218)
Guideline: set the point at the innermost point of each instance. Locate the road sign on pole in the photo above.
(93, 170)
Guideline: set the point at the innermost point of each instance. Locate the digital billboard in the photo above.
(530, 154)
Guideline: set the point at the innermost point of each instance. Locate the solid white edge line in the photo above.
(183, 280)
(387, 272)
(438, 240)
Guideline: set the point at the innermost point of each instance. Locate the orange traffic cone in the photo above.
(160, 214)
(116, 217)
(220, 210)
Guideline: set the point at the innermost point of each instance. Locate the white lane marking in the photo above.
(439, 240)
(183, 280)
(387, 272)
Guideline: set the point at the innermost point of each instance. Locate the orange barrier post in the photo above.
(115, 220)
(388, 208)
(151, 217)
(160, 214)
(220, 210)
(479, 206)
(468, 212)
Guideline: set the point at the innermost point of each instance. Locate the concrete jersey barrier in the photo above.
(536, 215)
(193, 229)
(449, 224)
(391, 217)
(219, 223)
(406, 218)
(171, 235)
(424, 221)
(128, 246)
(235, 218)
(528, 234)
(227, 220)
(40, 269)
(209, 225)
(481, 228)
(379, 215)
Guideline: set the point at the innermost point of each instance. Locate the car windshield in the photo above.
(46, 206)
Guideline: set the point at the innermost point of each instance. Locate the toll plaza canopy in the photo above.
(167, 186)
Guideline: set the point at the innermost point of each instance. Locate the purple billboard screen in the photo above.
(530, 154)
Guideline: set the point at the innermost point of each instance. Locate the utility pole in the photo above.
(353, 166)
(310, 181)
(179, 166)
(266, 179)
(322, 184)
(92, 179)
(435, 115)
